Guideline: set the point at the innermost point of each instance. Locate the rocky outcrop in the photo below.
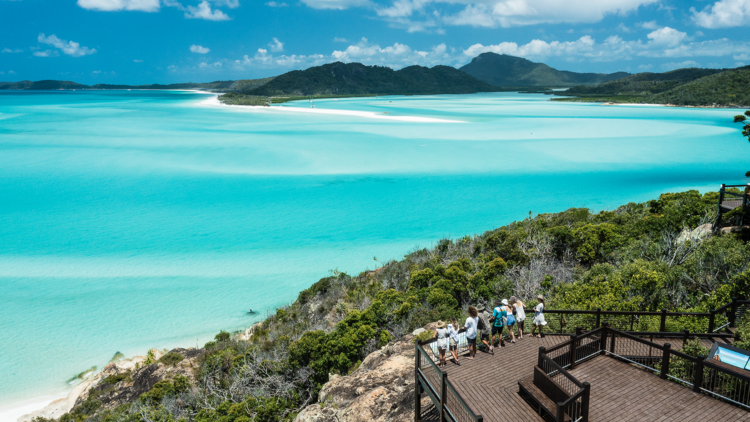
(134, 379)
(380, 390)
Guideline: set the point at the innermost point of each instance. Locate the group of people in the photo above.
(485, 326)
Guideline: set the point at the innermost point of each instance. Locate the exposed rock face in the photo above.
(381, 389)
(140, 380)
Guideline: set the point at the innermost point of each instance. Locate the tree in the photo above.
(740, 117)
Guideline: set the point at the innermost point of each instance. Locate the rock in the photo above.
(700, 233)
(380, 390)
(418, 331)
(734, 229)
(249, 332)
(157, 353)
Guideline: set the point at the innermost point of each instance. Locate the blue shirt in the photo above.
(499, 315)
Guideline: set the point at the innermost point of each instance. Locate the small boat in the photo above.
(251, 311)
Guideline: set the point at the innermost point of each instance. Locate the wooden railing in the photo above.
(434, 382)
(729, 200)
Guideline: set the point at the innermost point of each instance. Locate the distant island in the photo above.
(488, 72)
(682, 87)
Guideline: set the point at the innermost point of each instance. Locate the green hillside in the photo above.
(357, 79)
(41, 85)
(730, 88)
(225, 86)
(644, 83)
(503, 70)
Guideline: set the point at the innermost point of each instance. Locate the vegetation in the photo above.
(357, 79)
(684, 87)
(640, 256)
(503, 70)
(171, 359)
(224, 86)
(233, 98)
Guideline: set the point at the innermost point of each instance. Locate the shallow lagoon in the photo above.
(132, 220)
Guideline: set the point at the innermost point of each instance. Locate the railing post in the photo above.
(663, 325)
(560, 412)
(443, 395)
(698, 376)
(712, 321)
(540, 362)
(733, 313)
(417, 387)
(579, 331)
(685, 337)
(612, 343)
(598, 317)
(603, 338)
(585, 402)
(721, 199)
(665, 361)
(562, 323)
(573, 341)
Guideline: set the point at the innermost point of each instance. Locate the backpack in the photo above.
(480, 324)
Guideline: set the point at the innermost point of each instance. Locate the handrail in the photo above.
(562, 371)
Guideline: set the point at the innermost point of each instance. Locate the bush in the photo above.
(222, 336)
(114, 379)
(171, 359)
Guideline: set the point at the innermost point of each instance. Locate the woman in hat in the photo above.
(484, 327)
(453, 340)
(539, 316)
(510, 320)
(471, 325)
(441, 334)
(520, 314)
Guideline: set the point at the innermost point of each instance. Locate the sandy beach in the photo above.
(214, 102)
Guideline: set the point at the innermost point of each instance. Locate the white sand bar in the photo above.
(214, 101)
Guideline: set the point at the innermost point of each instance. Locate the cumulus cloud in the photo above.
(649, 25)
(667, 36)
(723, 14)
(540, 48)
(395, 56)
(262, 59)
(70, 48)
(45, 53)
(8, 50)
(335, 4)
(337, 39)
(214, 65)
(203, 11)
(199, 49)
(117, 5)
(232, 4)
(276, 4)
(276, 46)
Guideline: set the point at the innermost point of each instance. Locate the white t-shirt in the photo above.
(471, 327)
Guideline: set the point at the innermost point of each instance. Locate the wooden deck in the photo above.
(489, 385)
(622, 392)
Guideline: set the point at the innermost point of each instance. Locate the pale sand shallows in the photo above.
(214, 101)
(16, 410)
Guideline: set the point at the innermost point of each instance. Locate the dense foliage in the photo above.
(641, 256)
(503, 70)
(225, 86)
(355, 78)
(684, 87)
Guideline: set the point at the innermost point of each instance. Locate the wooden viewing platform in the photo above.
(599, 375)
(730, 200)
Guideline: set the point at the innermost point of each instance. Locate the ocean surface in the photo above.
(132, 220)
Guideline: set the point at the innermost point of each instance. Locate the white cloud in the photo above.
(117, 5)
(214, 65)
(395, 56)
(680, 65)
(137, 61)
(667, 36)
(203, 11)
(649, 25)
(276, 4)
(645, 67)
(723, 14)
(8, 50)
(96, 72)
(744, 56)
(71, 48)
(232, 4)
(335, 4)
(539, 48)
(45, 53)
(337, 39)
(199, 49)
(276, 46)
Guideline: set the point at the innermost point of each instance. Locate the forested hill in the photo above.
(357, 79)
(684, 87)
(644, 83)
(41, 85)
(503, 70)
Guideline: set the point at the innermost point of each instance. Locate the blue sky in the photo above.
(166, 41)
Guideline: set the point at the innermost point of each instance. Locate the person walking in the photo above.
(498, 314)
(538, 317)
(510, 320)
(520, 314)
(453, 340)
(471, 324)
(441, 334)
(484, 327)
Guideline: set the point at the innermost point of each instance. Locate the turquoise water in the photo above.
(131, 220)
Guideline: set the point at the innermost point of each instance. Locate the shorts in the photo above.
(471, 340)
(485, 336)
(497, 330)
(452, 343)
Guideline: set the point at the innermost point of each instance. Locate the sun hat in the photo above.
(440, 324)
(540, 297)
(481, 308)
(505, 302)
(498, 303)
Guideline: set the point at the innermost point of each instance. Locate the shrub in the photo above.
(222, 336)
(171, 359)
